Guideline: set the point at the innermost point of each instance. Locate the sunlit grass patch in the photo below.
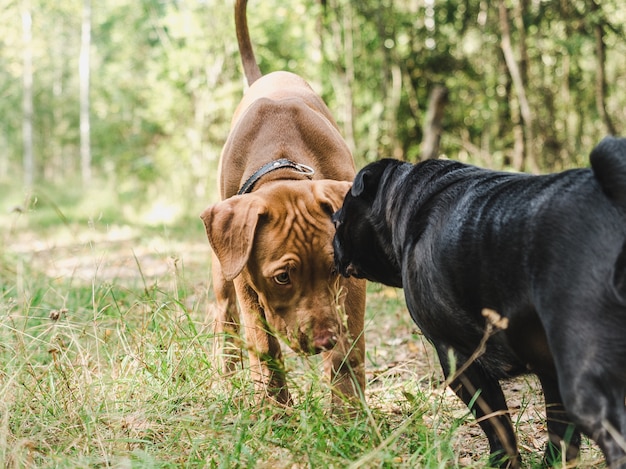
(115, 372)
(106, 353)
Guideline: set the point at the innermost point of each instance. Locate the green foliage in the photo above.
(106, 349)
(166, 79)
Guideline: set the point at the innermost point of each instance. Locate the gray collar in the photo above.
(272, 166)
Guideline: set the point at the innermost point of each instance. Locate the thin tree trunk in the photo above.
(342, 40)
(570, 98)
(4, 153)
(391, 82)
(518, 84)
(600, 75)
(348, 77)
(519, 11)
(566, 95)
(393, 104)
(432, 124)
(57, 163)
(85, 125)
(27, 100)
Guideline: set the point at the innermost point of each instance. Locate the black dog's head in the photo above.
(362, 242)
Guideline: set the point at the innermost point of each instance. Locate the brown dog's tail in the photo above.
(608, 161)
(250, 67)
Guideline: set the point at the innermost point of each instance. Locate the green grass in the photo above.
(108, 374)
(106, 353)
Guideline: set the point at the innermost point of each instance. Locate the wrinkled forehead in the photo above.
(297, 227)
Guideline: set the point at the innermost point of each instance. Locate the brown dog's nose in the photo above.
(351, 271)
(325, 340)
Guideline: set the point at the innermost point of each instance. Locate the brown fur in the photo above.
(283, 227)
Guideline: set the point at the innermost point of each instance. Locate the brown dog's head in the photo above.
(277, 240)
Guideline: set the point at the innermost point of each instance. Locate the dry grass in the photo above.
(106, 352)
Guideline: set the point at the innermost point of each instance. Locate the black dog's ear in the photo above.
(359, 184)
(368, 178)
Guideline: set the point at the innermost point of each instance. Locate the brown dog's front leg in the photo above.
(226, 346)
(345, 363)
(267, 369)
(346, 371)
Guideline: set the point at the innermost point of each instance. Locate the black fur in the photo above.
(546, 252)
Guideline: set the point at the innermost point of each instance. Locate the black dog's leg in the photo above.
(561, 430)
(483, 395)
(598, 409)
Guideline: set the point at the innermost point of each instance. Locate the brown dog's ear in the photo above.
(230, 227)
(330, 194)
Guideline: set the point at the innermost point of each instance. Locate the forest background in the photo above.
(112, 118)
(136, 97)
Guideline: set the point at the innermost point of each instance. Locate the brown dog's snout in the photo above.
(325, 340)
(348, 270)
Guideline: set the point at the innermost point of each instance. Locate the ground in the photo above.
(400, 362)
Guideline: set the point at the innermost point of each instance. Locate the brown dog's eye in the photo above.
(282, 278)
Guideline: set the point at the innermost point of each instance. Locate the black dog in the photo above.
(548, 253)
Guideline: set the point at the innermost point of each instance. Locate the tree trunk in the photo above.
(601, 65)
(521, 6)
(27, 100)
(518, 84)
(341, 37)
(391, 82)
(392, 106)
(85, 125)
(348, 77)
(432, 123)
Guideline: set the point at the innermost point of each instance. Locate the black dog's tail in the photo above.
(608, 161)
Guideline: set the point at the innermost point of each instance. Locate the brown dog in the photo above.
(283, 171)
